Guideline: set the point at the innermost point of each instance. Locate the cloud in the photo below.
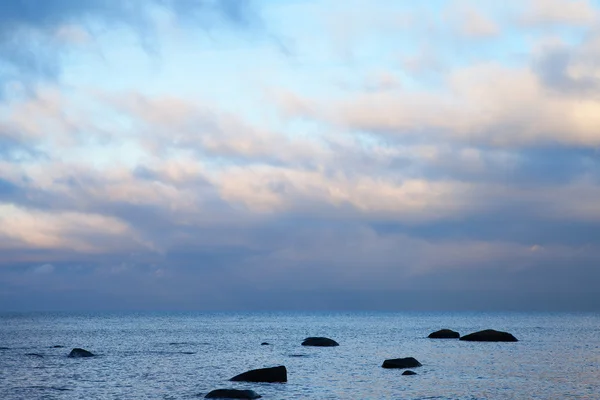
(33, 37)
(571, 69)
(414, 150)
(67, 230)
(560, 12)
(43, 269)
(471, 22)
(488, 104)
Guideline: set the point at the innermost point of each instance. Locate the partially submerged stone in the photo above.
(232, 394)
(444, 334)
(270, 375)
(489, 335)
(408, 362)
(77, 352)
(319, 342)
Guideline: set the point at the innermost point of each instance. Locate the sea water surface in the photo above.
(185, 355)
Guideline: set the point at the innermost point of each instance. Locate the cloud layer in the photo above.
(259, 155)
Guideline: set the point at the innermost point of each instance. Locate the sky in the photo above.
(300, 155)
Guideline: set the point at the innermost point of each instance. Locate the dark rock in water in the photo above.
(58, 346)
(265, 344)
(274, 374)
(77, 352)
(409, 373)
(489, 335)
(232, 394)
(4, 348)
(444, 334)
(408, 362)
(319, 342)
(298, 355)
(34, 355)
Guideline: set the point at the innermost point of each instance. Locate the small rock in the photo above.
(489, 335)
(232, 394)
(319, 342)
(34, 355)
(444, 334)
(274, 374)
(408, 362)
(77, 352)
(409, 372)
(4, 348)
(265, 344)
(58, 346)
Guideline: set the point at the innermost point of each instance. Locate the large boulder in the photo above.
(444, 334)
(489, 335)
(77, 352)
(408, 362)
(273, 374)
(319, 342)
(232, 394)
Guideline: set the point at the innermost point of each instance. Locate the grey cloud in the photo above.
(220, 263)
(533, 167)
(6, 187)
(552, 68)
(205, 279)
(514, 222)
(15, 150)
(29, 50)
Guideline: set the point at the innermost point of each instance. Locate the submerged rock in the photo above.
(408, 362)
(489, 335)
(77, 352)
(4, 348)
(270, 375)
(232, 394)
(319, 342)
(444, 334)
(409, 373)
(58, 346)
(265, 344)
(34, 355)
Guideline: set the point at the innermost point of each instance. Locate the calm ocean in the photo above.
(185, 355)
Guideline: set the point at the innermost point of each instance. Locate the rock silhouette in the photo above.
(444, 334)
(34, 355)
(489, 335)
(319, 342)
(408, 362)
(264, 344)
(270, 375)
(77, 352)
(409, 373)
(232, 394)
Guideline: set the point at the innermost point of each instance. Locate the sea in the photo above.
(184, 355)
